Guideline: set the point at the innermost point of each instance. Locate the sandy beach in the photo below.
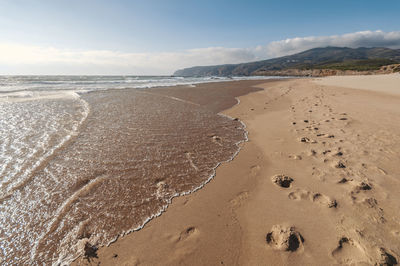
(316, 184)
(199, 133)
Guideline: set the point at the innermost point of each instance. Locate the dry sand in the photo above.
(317, 184)
(381, 83)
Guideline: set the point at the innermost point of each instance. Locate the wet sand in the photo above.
(120, 159)
(317, 184)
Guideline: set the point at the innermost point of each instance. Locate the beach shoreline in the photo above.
(341, 204)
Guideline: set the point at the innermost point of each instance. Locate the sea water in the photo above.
(86, 159)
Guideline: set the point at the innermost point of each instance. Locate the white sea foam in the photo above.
(31, 132)
(21, 87)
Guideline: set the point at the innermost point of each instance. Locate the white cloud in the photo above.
(23, 59)
(26, 59)
(352, 40)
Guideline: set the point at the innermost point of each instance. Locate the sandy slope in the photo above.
(336, 199)
(380, 83)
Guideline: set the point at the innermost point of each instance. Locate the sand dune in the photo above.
(379, 83)
(317, 184)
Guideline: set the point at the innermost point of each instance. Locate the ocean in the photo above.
(87, 159)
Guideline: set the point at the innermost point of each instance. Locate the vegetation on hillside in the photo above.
(355, 65)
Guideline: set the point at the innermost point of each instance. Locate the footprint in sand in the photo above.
(184, 244)
(307, 140)
(326, 151)
(386, 258)
(339, 164)
(375, 213)
(254, 170)
(380, 170)
(239, 199)
(349, 252)
(285, 238)
(295, 157)
(339, 154)
(301, 194)
(362, 186)
(188, 232)
(343, 181)
(282, 180)
(358, 189)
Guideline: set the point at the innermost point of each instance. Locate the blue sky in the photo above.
(124, 31)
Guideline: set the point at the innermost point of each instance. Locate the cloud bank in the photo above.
(24, 59)
(27, 59)
(352, 40)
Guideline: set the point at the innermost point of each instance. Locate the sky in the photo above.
(156, 37)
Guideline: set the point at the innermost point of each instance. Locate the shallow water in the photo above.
(83, 170)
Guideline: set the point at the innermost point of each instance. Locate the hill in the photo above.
(323, 59)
